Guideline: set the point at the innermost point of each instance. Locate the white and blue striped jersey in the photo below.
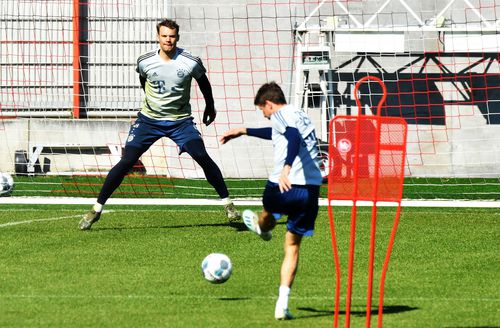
(305, 168)
(168, 84)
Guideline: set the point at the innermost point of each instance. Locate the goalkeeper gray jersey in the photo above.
(168, 84)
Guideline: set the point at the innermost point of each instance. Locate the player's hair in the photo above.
(171, 24)
(269, 91)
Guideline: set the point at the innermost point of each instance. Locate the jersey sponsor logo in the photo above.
(180, 73)
(160, 85)
(130, 137)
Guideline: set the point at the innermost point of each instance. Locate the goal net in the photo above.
(69, 90)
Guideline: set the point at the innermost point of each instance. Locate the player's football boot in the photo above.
(251, 220)
(233, 216)
(282, 314)
(89, 219)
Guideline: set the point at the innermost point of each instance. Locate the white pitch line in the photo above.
(13, 223)
(241, 202)
(9, 224)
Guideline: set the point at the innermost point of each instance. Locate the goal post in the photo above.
(69, 90)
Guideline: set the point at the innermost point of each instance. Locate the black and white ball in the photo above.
(6, 184)
(216, 268)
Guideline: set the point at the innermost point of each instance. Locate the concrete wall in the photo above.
(68, 145)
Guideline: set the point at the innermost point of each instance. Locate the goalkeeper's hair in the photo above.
(269, 91)
(170, 23)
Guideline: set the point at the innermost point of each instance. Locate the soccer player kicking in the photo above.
(165, 75)
(293, 186)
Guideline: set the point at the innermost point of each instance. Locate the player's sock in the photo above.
(281, 311)
(97, 207)
(284, 294)
(226, 201)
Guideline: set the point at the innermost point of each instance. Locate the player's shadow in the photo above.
(240, 226)
(390, 309)
(237, 226)
(177, 226)
(234, 298)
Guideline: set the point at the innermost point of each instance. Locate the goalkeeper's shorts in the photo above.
(146, 131)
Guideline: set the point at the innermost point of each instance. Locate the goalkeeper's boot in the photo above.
(89, 219)
(251, 220)
(282, 314)
(233, 216)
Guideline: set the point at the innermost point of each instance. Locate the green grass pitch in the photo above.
(140, 267)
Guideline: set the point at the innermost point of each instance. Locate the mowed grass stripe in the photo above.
(140, 267)
(273, 297)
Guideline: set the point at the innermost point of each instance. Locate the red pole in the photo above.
(76, 58)
(386, 264)
(373, 224)
(337, 267)
(371, 260)
(336, 257)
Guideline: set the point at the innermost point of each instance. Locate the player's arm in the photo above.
(232, 134)
(263, 133)
(143, 82)
(206, 90)
(294, 140)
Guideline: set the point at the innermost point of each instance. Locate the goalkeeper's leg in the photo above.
(196, 149)
(113, 180)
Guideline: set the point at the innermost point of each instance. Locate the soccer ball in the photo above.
(6, 184)
(216, 268)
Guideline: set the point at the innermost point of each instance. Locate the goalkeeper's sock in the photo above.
(97, 207)
(226, 201)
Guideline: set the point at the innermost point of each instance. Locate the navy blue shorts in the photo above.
(146, 131)
(300, 203)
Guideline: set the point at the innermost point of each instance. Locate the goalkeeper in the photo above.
(165, 75)
(293, 186)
